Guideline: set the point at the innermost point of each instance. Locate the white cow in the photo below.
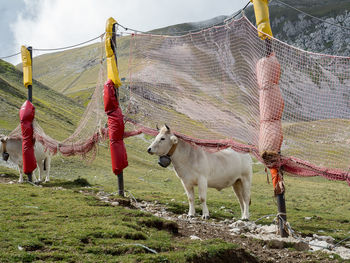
(14, 149)
(195, 166)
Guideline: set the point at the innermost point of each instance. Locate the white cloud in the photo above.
(57, 23)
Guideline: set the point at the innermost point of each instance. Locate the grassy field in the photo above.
(59, 223)
(49, 224)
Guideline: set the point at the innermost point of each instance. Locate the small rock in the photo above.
(227, 221)
(275, 244)
(307, 218)
(301, 246)
(115, 203)
(193, 237)
(238, 224)
(222, 207)
(270, 229)
(235, 231)
(172, 200)
(328, 239)
(318, 245)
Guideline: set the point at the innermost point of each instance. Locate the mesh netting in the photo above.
(90, 129)
(204, 86)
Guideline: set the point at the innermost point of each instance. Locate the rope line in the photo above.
(67, 47)
(59, 48)
(9, 56)
(307, 14)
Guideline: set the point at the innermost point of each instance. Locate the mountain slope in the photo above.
(297, 29)
(74, 72)
(56, 113)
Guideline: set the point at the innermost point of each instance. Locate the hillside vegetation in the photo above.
(52, 109)
(64, 221)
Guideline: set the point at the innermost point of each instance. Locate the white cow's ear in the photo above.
(174, 139)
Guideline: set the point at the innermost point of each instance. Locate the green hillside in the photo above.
(52, 110)
(66, 221)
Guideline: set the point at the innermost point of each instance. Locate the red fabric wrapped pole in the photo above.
(26, 115)
(271, 107)
(115, 128)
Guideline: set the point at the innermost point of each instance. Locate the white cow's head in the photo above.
(3, 142)
(163, 142)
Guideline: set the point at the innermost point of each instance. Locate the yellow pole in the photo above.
(261, 10)
(27, 65)
(113, 74)
(112, 68)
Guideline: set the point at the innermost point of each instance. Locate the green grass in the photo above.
(325, 201)
(47, 224)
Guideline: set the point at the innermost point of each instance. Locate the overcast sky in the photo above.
(57, 23)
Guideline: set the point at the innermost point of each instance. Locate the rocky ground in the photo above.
(260, 241)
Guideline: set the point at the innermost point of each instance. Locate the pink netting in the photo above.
(204, 85)
(88, 133)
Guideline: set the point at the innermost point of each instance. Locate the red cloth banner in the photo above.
(115, 128)
(271, 104)
(26, 115)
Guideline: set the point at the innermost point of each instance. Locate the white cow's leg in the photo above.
(20, 169)
(48, 167)
(246, 197)
(190, 196)
(238, 188)
(35, 180)
(41, 170)
(202, 192)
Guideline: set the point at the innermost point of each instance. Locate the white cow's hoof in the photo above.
(20, 181)
(245, 219)
(205, 217)
(47, 180)
(189, 216)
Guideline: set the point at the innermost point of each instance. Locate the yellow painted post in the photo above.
(112, 68)
(113, 74)
(26, 54)
(261, 10)
(27, 69)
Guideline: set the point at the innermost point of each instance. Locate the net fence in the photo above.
(204, 86)
(90, 129)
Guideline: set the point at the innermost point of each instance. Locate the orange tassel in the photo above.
(275, 177)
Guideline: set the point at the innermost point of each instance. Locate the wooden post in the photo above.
(114, 47)
(282, 214)
(30, 98)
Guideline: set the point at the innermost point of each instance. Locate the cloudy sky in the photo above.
(57, 23)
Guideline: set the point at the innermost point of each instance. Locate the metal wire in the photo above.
(9, 56)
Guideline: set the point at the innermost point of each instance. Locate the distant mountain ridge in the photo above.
(293, 27)
(74, 72)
